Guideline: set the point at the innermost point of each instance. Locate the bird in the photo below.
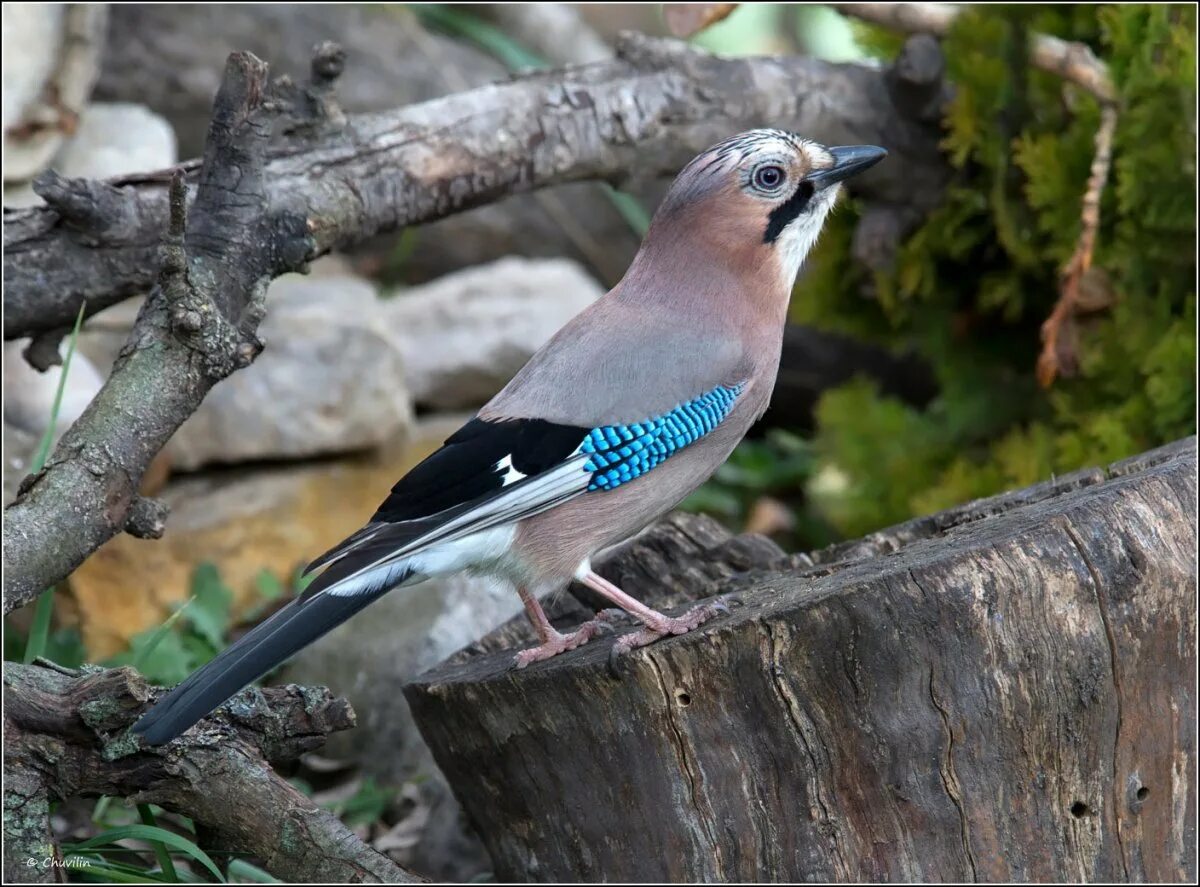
(625, 411)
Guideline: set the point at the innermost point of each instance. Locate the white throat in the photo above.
(800, 236)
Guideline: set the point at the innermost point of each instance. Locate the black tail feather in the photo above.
(263, 648)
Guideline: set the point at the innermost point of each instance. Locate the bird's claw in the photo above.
(649, 633)
(561, 643)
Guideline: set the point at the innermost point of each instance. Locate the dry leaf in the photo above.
(1096, 292)
(769, 516)
(686, 19)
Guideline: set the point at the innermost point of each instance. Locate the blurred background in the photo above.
(908, 386)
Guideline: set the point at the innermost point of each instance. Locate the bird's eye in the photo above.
(768, 178)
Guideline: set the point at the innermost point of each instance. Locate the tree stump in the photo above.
(1003, 691)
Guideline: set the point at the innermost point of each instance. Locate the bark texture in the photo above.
(198, 326)
(1004, 691)
(641, 115)
(66, 734)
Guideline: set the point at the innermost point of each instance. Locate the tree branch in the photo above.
(66, 735)
(1071, 61)
(641, 115)
(197, 327)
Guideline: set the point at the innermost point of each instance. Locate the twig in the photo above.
(1075, 63)
(1071, 61)
(66, 734)
(1058, 331)
(197, 327)
(641, 115)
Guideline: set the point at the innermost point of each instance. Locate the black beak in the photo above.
(847, 161)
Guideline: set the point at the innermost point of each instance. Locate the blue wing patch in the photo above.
(619, 453)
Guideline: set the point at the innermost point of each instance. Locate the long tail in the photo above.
(253, 655)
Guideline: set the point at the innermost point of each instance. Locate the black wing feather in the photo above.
(464, 469)
(254, 654)
(459, 476)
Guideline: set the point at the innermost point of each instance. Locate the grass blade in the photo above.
(39, 630)
(39, 461)
(151, 833)
(159, 633)
(43, 611)
(107, 873)
(160, 849)
(244, 871)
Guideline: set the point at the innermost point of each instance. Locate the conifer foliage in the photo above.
(971, 287)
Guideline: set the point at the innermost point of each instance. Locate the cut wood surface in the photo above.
(1003, 691)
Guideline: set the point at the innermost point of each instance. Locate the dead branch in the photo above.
(66, 734)
(197, 327)
(1058, 353)
(638, 116)
(1071, 61)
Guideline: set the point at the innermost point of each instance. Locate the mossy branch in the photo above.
(66, 734)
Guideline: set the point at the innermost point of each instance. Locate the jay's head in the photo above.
(763, 195)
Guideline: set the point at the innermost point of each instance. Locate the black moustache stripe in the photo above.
(782, 215)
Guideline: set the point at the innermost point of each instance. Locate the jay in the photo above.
(623, 413)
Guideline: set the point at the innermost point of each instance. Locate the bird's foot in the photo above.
(560, 643)
(660, 626)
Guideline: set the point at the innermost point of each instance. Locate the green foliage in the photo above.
(368, 804)
(190, 637)
(971, 287)
(778, 462)
(96, 855)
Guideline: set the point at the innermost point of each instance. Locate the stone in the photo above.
(243, 521)
(110, 140)
(117, 139)
(29, 394)
(51, 61)
(330, 380)
(19, 449)
(464, 335)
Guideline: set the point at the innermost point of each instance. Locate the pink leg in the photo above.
(656, 624)
(553, 641)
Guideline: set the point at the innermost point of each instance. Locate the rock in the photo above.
(371, 655)
(51, 61)
(465, 335)
(330, 380)
(29, 394)
(19, 449)
(171, 56)
(117, 139)
(110, 140)
(32, 36)
(242, 520)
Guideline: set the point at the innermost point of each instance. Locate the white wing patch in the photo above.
(471, 544)
(372, 580)
(511, 475)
